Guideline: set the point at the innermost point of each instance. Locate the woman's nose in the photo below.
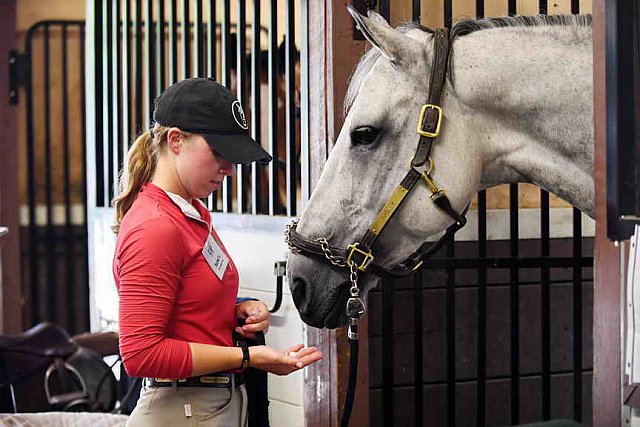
(227, 168)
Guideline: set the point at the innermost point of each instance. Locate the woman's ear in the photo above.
(175, 138)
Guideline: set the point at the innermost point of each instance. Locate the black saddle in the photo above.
(31, 351)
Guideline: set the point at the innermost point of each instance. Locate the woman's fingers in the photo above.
(293, 349)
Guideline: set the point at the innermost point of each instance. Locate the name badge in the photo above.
(215, 257)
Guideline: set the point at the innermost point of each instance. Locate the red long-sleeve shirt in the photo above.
(169, 296)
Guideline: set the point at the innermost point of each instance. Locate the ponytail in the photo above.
(138, 170)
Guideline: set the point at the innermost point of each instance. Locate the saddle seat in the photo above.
(45, 339)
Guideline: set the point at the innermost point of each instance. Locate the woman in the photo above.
(176, 281)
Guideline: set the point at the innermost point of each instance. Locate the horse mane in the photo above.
(461, 28)
(472, 25)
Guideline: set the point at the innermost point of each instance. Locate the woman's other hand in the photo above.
(256, 318)
(283, 362)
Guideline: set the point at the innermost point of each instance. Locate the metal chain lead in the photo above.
(355, 307)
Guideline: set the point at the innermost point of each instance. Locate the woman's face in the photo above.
(199, 168)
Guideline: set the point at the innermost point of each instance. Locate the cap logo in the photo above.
(238, 115)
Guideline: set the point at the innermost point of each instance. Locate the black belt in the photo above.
(219, 380)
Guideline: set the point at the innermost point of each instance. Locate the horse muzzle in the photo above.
(319, 290)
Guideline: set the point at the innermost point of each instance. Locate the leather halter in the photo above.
(359, 253)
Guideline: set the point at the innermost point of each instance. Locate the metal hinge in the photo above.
(19, 74)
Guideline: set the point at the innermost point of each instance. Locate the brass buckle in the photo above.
(423, 111)
(368, 256)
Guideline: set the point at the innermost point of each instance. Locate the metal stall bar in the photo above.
(274, 195)
(387, 352)
(160, 50)
(514, 288)
(212, 200)
(385, 10)
(577, 315)
(197, 41)
(545, 305)
(52, 270)
(125, 86)
(66, 165)
(451, 335)
(173, 42)
(577, 297)
(451, 294)
(83, 102)
(304, 103)
(186, 36)
(31, 190)
(515, 305)
(256, 109)
(110, 155)
(481, 383)
(479, 8)
(137, 63)
(415, 11)
(418, 283)
(150, 45)
(241, 41)
(290, 109)
(543, 7)
(227, 185)
(115, 87)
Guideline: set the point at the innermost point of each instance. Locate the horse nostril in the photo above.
(299, 294)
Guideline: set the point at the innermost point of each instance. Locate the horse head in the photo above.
(483, 141)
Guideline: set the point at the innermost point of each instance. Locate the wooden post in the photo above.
(330, 25)
(607, 320)
(11, 320)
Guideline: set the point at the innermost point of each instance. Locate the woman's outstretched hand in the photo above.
(283, 362)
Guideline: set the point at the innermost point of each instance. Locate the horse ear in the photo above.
(395, 46)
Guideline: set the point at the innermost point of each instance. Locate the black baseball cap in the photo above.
(203, 106)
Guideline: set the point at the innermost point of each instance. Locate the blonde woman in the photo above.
(176, 281)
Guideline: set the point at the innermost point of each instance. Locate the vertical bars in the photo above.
(115, 84)
(274, 195)
(256, 125)
(137, 64)
(451, 336)
(52, 312)
(173, 42)
(545, 306)
(227, 185)
(304, 103)
(241, 94)
(68, 246)
(417, 341)
(515, 305)
(160, 50)
(126, 78)
(197, 41)
(577, 315)
(290, 109)
(186, 36)
(481, 384)
(151, 83)
(387, 353)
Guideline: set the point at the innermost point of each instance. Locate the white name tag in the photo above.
(215, 257)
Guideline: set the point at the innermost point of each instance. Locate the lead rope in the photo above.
(355, 309)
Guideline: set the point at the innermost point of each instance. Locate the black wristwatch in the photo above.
(245, 354)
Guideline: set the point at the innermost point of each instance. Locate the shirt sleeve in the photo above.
(149, 263)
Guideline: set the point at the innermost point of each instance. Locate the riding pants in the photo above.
(190, 406)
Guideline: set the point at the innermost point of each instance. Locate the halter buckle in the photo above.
(423, 113)
(368, 256)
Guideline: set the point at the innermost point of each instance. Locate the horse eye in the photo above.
(364, 135)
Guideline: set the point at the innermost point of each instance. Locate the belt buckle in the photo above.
(215, 379)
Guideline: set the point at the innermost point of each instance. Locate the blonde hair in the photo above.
(138, 169)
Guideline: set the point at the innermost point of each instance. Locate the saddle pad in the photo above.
(63, 419)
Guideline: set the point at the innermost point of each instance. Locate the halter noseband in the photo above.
(359, 253)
